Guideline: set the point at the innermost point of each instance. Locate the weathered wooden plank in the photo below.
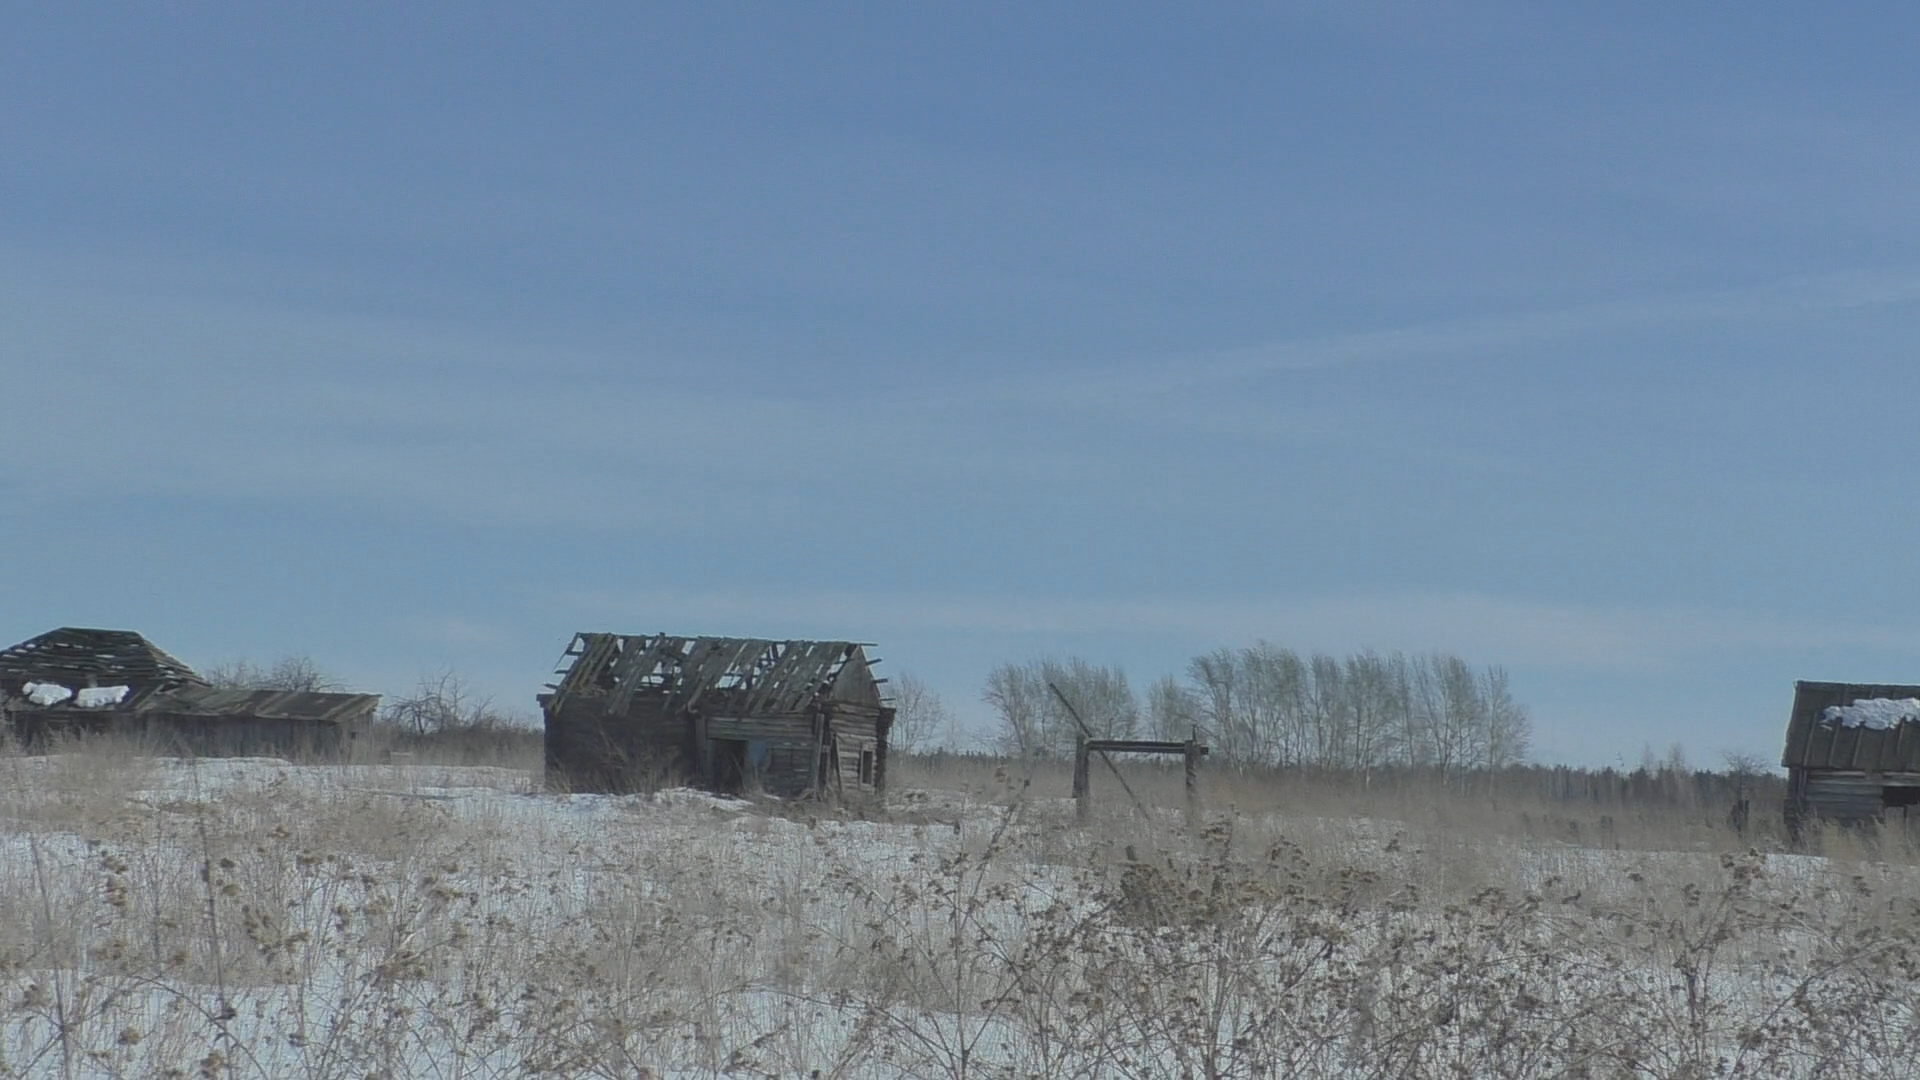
(1140, 746)
(641, 659)
(769, 691)
(796, 733)
(594, 651)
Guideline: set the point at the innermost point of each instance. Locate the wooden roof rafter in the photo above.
(79, 656)
(753, 675)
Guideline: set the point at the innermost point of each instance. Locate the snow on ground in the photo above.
(425, 920)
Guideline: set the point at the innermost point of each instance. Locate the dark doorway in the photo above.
(730, 765)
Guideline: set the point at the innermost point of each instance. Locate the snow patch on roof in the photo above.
(46, 693)
(1876, 713)
(99, 697)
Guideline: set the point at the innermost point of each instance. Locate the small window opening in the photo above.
(1900, 796)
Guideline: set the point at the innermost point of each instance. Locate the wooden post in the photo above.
(885, 727)
(1082, 779)
(1193, 779)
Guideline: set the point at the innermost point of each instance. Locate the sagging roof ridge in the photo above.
(759, 675)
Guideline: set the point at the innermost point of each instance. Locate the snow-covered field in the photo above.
(254, 918)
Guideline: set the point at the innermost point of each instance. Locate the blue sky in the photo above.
(409, 337)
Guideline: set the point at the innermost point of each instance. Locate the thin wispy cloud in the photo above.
(216, 398)
(1133, 383)
(221, 398)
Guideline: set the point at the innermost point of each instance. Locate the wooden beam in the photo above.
(1143, 746)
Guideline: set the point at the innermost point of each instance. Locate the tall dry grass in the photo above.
(210, 919)
(1663, 810)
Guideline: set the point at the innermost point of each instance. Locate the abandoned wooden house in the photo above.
(789, 718)
(75, 682)
(1853, 751)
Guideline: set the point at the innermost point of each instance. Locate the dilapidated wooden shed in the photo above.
(76, 681)
(790, 718)
(1853, 750)
(73, 657)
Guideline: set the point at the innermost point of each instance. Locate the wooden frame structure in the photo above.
(1085, 748)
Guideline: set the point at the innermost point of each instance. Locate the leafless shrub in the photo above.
(442, 702)
(298, 673)
(921, 720)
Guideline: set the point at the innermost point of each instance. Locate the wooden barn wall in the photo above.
(1843, 796)
(785, 740)
(863, 726)
(789, 770)
(855, 686)
(187, 734)
(247, 735)
(780, 730)
(789, 739)
(587, 750)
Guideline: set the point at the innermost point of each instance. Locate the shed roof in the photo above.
(1816, 743)
(307, 705)
(76, 656)
(743, 676)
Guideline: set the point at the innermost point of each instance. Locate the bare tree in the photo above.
(1101, 694)
(1218, 698)
(1173, 711)
(1267, 705)
(1744, 766)
(1374, 698)
(1509, 731)
(298, 673)
(1033, 723)
(1745, 771)
(919, 716)
(1274, 702)
(1422, 741)
(1324, 733)
(1019, 701)
(442, 702)
(1252, 702)
(1459, 729)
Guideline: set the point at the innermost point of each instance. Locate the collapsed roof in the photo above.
(734, 676)
(77, 657)
(127, 673)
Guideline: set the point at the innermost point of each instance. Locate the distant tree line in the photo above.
(1264, 705)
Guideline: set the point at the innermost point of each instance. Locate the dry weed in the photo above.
(266, 921)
